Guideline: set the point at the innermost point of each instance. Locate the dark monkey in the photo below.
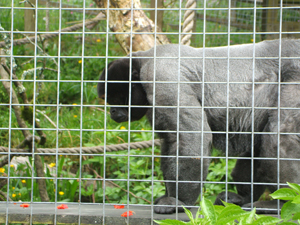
(223, 103)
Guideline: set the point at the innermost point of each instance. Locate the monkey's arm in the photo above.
(179, 124)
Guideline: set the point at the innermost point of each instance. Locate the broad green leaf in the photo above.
(288, 209)
(170, 222)
(198, 214)
(226, 204)
(201, 221)
(89, 145)
(258, 216)
(294, 186)
(296, 200)
(230, 214)
(189, 214)
(284, 194)
(267, 220)
(218, 209)
(73, 189)
(296, 216)
(248, 219)
(61, 162)
(231, 208)
(288, 223)
(208, 210)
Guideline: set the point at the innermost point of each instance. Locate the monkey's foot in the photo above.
(231, 198)
(266, 207)
(167, 207)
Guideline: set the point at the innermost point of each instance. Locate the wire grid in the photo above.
(67, 95)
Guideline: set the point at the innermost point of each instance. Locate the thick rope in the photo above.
(88, 23)
(188, 22)
(87, 150)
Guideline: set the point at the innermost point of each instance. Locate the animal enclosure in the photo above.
(220, 123)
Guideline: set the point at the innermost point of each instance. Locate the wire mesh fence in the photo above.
(107, 110)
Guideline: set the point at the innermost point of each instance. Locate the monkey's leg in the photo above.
(183, 160)
(244, 171)
(283, 164)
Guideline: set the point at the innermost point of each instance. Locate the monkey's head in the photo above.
(117, 90)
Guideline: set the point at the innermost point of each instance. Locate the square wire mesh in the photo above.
(56, 132)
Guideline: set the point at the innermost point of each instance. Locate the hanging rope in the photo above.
(188, 22)
(87, 150)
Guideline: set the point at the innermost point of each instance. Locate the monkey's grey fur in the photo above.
(237, 111)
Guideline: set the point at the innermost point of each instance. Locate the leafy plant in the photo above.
(218, 170)
(232, 214)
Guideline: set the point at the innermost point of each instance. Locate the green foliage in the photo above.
(219, 169)
(27, 114)
(66, 187)
(3, 95)
(209, 214)
(291, 209)
(26, 189)
(140, 168)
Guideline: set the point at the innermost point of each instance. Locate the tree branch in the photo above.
(120, 21)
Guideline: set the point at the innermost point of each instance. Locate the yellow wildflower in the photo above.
(74, 104)
(75, 116)
(13, 188)
(11, 165)
(52, 165)
(2, 170)
(80, 61)
(19, 194)
(122, 128)
(251, 40)
(98, 40)
(61, 193)
(13, 195)
(23, 181)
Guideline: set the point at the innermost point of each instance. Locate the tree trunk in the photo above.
(160, 13)
(120, 21)
(29, 24)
